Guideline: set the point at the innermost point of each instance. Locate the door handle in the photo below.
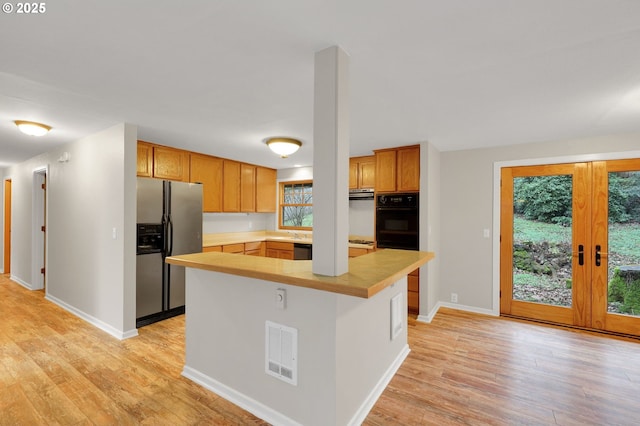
(580, 255)
(170, 236)
(598, 255)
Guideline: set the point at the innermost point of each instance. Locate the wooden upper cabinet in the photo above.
(247, 188)
(266, 190)
(367, 173)
(353, 173)
(362, 172)
(227, 185)
(398, 169)
(408, 169)
(170, 163)
(231, 186)
(386, 169)
(145, 159)
(207, 170)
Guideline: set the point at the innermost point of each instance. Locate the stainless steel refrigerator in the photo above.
(169, 223)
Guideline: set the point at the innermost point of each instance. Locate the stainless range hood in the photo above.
(361, 194)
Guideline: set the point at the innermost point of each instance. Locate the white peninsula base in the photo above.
(345, 351)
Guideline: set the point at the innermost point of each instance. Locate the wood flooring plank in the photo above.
(463, 369)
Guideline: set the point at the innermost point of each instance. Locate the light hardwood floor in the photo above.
(463, 369)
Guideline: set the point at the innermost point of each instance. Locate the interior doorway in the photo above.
(570, 244)
(7, 227)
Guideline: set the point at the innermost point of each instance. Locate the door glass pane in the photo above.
(624, 243)
(542, 239)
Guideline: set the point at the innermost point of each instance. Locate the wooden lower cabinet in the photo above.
(233, 248)
(359, 251)
(255, 248)
(279, 250)
(413, 291)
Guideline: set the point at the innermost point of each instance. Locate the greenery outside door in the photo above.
(570, 244)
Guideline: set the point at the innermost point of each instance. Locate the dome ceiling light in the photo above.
(32, 128)
(283, 146)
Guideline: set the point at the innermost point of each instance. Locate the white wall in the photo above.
(430, 219)
(361, 218)
(2, 177)
(466, 208)
(89, 272)
(215, 223)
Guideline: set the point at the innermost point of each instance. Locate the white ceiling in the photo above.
(220, 76)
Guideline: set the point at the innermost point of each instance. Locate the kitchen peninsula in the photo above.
(345, 336)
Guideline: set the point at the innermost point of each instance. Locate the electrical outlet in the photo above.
(281, 298)
(454, 297)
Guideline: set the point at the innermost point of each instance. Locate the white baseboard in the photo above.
(21, 282)
(429, 317)
(375, 393)
(241, 400)
(274, 417)
(118, 334)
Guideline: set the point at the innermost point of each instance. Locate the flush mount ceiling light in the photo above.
(283, 146)
(32, 128)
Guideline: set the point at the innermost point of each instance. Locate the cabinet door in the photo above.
(357, 251)
(285, 254)
(255, 248)
(170, 163)
(413, 291)
(207, 170)
(231, 186)
(408, 169)
(233, 248)
(266, 190)
(386, 170)
(247, 188)
(272, 253)
(145, 159)
(366, 173)
(353, 173)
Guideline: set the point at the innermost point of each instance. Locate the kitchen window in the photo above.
(296, 205)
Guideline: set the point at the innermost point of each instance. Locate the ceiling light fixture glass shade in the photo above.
(32, 128)
(284, 146)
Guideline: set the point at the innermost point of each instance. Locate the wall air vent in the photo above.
(281, 352)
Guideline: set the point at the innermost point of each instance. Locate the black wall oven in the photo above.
(397, 221)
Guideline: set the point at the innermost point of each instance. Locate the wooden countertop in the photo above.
(368, 274)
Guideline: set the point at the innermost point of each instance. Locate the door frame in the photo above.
(6, 225)
(38, 241)
(497, 171)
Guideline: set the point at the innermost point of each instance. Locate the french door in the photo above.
(570, 244)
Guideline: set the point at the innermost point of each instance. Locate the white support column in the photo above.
(331, 162)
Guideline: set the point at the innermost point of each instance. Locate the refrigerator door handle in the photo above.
(170, 236)
(165, 236)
